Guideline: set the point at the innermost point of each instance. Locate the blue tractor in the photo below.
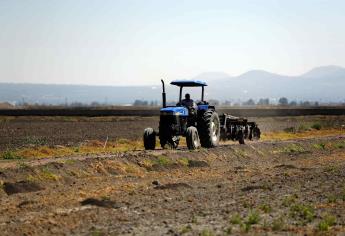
(199, 122)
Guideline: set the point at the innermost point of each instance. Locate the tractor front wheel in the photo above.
(149, 139)
(192, 138)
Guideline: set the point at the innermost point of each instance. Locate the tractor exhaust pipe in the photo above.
(164, 98)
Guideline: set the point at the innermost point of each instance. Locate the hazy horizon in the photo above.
(212, 76)
(139, 42)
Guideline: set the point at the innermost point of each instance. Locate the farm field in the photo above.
(28, 131)
(91, 176)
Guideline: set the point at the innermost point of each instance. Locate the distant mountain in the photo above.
(212, 76)
(326, 71)
(323, 84)
(259, 74)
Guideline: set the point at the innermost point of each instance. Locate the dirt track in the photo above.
(276, 187)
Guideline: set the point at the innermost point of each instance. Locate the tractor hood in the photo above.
(177, 111)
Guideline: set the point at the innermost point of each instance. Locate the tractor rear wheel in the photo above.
(192, 138)
(149, 139)
(209, 129)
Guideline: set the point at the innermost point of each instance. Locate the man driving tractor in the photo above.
(187, 102)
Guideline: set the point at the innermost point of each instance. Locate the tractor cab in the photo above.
(180, 108)
(190, 83)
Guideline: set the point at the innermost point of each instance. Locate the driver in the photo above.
(187, 102)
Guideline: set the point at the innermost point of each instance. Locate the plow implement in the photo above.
(237, 128)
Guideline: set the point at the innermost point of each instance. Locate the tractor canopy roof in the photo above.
(188, 83)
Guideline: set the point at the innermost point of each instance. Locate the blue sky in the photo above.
(135, 42)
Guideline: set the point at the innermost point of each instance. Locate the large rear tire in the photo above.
(149, 139)
(192, 138)
(209, 129)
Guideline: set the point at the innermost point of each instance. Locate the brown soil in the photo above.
(27, 131)
(285, 187)
(21, 187)
(16, 132)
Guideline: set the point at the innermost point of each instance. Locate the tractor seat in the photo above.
(202, 103)
(191, 109)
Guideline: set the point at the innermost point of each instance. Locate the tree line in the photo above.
(283, 101)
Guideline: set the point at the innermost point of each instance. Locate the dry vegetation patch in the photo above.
(293, 186)
(88, 147)
(283, 135)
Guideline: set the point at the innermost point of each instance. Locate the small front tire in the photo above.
(149, 139)
(192, 138)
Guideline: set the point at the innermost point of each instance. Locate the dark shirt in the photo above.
(187, 102)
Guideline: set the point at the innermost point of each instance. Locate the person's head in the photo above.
(187, 96)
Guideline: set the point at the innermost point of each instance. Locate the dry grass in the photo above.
(43, 175)
(124, 145)
(90, 147)
(269, 136)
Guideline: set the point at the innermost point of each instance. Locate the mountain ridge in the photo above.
(325, 70)
(323, 84)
